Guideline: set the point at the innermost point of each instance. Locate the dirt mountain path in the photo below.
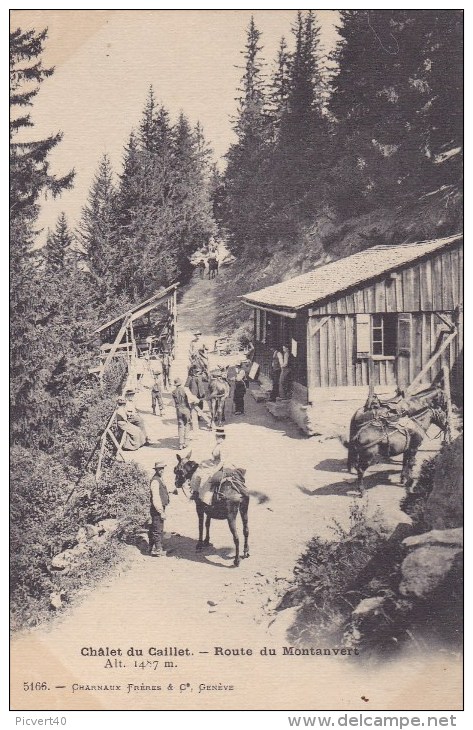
(196, 603)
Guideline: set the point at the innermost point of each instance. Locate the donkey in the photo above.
(213, 267)
(230, 500)
(382, 438)
(400, 405)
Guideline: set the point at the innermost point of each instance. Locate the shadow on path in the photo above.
(183, 548)
(348, 486)
(335, 465)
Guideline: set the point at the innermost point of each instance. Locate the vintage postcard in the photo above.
(236, 360)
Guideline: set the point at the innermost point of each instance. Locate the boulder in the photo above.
(369, 605)
(452, 537)
(107, 526)
(279, 409)
(444, 507)
(55, 601)
(426, 568)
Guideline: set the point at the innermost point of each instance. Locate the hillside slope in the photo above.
(216, 304)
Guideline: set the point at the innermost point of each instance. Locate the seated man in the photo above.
(134, 435)
(210, 473)
(133, 415)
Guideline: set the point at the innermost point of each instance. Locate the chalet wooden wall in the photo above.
(333, 359)
(430, 286)
(326, 334)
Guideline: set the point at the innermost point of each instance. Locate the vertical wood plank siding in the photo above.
(332, 358)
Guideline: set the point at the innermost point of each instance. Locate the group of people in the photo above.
(188, 396)
(280, 374)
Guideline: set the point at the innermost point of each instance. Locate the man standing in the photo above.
(195, 345)
(183, 399)
(285, 374)
(239, 390)
(276, 365)
(156, 368)
(159, 501)
(166, 368)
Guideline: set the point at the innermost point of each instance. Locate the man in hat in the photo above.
(156, 369)
(183, 400)
(239, 391)
(133, 436)
(166, 360)
(159, 501)
(195, 345)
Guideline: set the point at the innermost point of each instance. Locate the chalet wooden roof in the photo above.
(330, 280)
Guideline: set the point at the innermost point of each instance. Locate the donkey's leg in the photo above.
(233, 511)
(200, 513)
(363, 461)
(244, 518)
(207, 531)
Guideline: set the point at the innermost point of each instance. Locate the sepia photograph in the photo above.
(236, 361)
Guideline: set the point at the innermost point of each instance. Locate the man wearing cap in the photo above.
(159, 501)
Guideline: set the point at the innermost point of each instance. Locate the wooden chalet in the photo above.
(381, 318)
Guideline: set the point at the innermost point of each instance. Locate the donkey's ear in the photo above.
(178, 458)
(188, 456)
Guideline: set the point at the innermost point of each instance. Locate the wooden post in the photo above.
(98, 471)
(174, 319)
(448, 398)
(370, 378)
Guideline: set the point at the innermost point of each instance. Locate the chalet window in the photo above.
(376, 335)
(383, 335)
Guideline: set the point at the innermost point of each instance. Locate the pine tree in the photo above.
(50, 311)
(30, 175)
(58, 245)
(192, 207)
(300, 157)
(385, 99)
(246, 203)
(280, 87)
(144, 206)
(441, 74)
(98, 231)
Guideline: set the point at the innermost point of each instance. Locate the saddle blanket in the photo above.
(206, 482)
(201, 484)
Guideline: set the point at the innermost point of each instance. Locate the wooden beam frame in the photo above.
(117, 342)
(281, 313)
(156, 298)
(447, 341)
